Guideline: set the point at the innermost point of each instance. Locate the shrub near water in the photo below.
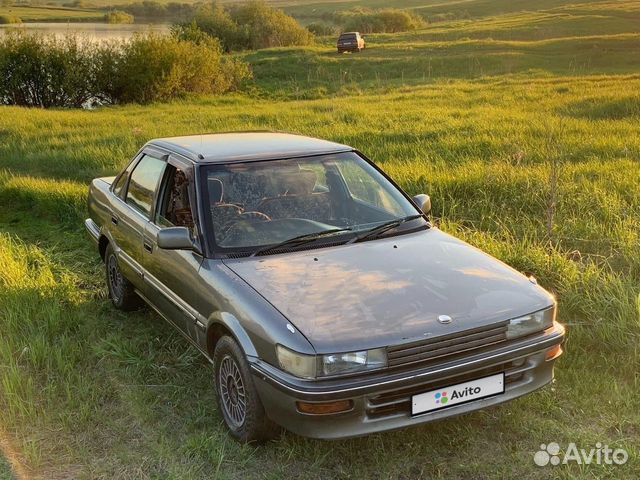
(249, 26)
(7, 18)
(45, 71)
(117, 16)
(156, 67)
(150, 9)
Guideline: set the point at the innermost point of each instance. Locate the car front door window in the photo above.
(174, 208)
(144, 183)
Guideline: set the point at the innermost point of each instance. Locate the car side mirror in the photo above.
(175, 238)
(423, 201)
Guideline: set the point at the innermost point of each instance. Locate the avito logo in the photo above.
(443, 398)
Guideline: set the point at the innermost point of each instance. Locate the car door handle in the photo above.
(114, 219)
(148, 247)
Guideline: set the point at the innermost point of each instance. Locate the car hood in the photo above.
(389, 291)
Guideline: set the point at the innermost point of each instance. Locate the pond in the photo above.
(92, 31)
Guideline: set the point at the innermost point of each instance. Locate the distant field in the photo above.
(52, 14)
(429, 8)
(523, 124)
(525, 43)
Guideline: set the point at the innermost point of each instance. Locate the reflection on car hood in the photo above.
(389, 291)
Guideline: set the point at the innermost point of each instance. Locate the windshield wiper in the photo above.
(299, 240)
(380, 229)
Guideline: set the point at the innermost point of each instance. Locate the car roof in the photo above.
(349, 33)
(247, 146)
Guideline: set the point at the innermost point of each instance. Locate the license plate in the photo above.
(457, 394)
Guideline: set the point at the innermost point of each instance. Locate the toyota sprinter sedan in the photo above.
(320, 292)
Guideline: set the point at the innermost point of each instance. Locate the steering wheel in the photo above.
(247, 216)
(255, 216)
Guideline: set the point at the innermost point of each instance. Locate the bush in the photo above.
(46, 71)
(117, 16)
(153, 67)
(251, 25)
(389, 20)
(212, 20)
(154, 10)
(321, 29)
(265, 26)
(8, 18)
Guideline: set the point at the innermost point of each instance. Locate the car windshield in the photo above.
(262, 203)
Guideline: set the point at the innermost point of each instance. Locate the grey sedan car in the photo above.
(326, 301)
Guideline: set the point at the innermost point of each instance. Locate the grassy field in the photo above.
(528, 141)
(52, 14)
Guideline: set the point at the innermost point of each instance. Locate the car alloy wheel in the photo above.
(116, 282)
(121, 291)
(232, 392)
(236, 395)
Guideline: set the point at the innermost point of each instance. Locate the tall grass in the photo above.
(487, 168)
(539, 168)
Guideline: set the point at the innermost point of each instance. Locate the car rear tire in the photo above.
(121, 291)
(237, 397)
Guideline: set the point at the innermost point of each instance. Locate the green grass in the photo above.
(457, 9)
(5, 470)
(52, 14)
(572, 41)
(537, 162)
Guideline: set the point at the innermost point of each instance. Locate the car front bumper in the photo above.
(383, 402)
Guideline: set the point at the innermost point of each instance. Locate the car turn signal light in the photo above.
(325, 408)
(554, 353)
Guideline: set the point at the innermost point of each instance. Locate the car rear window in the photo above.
(349, 36)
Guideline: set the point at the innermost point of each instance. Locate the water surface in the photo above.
(91, 31)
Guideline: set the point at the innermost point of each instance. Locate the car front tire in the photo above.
(121, 291)
(237, 397)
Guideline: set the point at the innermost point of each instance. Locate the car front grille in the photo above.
(398, 402)
(436, 350)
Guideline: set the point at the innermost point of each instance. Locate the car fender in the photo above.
(230, 323)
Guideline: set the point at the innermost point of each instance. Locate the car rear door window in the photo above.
(144, 183)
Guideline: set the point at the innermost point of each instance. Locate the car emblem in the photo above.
(444, 319)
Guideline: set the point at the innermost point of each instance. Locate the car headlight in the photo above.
(532, 323)
(312, 366)
(340, 363)
(298, 364)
